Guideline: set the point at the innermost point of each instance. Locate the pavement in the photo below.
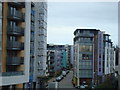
(51, 80)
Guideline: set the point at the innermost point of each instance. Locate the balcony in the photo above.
(16, 16)
(32, 28)
(32, 38)
(15, 31)
(43, 18)
(12, 73)
(14, 45)
(15, 60)
(84, 35)
(32, 18)
(17, 4)
(41, 32)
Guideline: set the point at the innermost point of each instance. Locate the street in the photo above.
(66, 82)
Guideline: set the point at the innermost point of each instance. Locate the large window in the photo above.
(87, 56)
(85, 48)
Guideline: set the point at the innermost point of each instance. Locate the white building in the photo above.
(109, 55)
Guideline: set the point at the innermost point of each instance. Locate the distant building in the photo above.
(60, 58)
(90, 57)
(69, 55)
(54, 55)
(118, 66)
(108, 56)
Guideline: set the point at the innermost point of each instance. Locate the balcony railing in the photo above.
(32, 38)
(12, 73)
(43, 18)
(15, 60)
(14, 45)
(84, 34)
(32, 28)
(15, 30)
(32, 18)
(16, 15)
(17, 4)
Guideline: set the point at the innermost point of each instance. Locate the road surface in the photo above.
(67, 81)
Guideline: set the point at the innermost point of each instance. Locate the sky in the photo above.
(65, 17)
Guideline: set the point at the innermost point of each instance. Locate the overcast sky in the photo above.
(65, 17)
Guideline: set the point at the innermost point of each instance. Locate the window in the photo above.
(85, 48)
(87, 56)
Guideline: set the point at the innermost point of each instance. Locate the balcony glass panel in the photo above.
(15, 30)
(14, 45)
(15, 60)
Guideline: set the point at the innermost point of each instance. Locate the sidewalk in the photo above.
(51, 80)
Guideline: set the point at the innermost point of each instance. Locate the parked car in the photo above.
(85, 85)
(82, 86)
(58, 78)
(67, 71)
(61, 76)
(64, 73)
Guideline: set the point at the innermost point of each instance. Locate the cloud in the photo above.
(64, 18)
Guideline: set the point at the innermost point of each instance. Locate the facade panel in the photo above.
(0, 36)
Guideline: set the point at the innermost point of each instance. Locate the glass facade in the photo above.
(0, 36)
(86, 56)
(85, 73)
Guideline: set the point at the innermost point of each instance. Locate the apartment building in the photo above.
(51, 62)
(118, 66)
(69, 55)
(0, 36)
(91, 55)
(15, 44)
(55, 57)
(109, 56)
(117, 53)
(38, 46)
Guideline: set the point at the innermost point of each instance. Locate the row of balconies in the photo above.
(15, 30)
(16, 15)
(15, 60)
(15, 45)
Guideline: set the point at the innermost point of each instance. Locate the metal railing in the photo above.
(15, 30)
(15, 60)
(15, 45)
(16, 15)
(11, 73)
